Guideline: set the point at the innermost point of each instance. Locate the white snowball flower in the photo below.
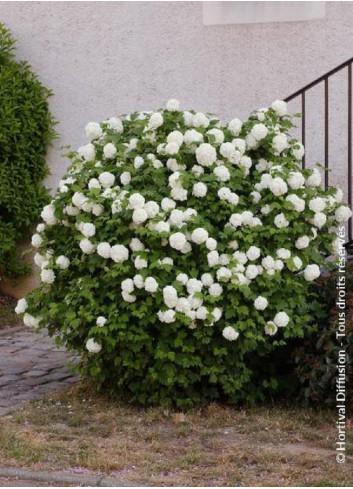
(227, 150)
(92, 346)
(179, 193)
(94, 183)
(311, 272)
(156, 120)
(201, 313)
(136, 201)
(172, 149)
(21, 306)
(192, 136)
(128, 285)
(119, 253)
(235, 126)
(140, 263)
(215, 290)
(343, 213)
(136, 245)
(314, 180)
(63, 262)
(170, 296)
(206, 154)
(260, 303)
(125, 178)
(251, 272)
(270, 328)
(298, 151)
(173, 105)
(223, 274)
(175, 137)
(211, 244)
(139, 216)
(338, 195)
(199, 190)
(317, 204)
(207, 279)
(47, 276)
(152, 209)
(101, 320)
(283, 253)
(319, 219)
(200, 120)
(104, 250)
(199, 235)
(256, 197)
(297, 262)
(88, 230)
(224, 193)
(138, 162)
(177, 241)
(86, 246)
(259, 131)
(109, 151)
(297, 202)
(37, 240)
(241, 257)
(167, 204)
(30, 321)
(233, 198)
(253, 253)
(230, 334)
(166, 316)
(268, 262)
(217, 314)
(128, 297)
(217, 134)
(278, 186)
(279, 265)
(221, 173)
(47, 214)
(106, 179)
(162, 227)
(115, 124)
(97, 209)
(93, 130)
(281, 221)
(281, 319)
(236, 220)
(266, 209)
(182, 278)
(139, 281)
(87, 152)
(280, 107)
(193, 285)
(296, 180)
(280, 142)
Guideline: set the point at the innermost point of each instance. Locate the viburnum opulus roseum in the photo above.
(177, 249)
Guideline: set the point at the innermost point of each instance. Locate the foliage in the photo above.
(316, 357)
(26, 130)
(178, 253)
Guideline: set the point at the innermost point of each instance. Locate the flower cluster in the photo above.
(171, 229)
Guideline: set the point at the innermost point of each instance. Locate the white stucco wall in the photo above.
(102, 59)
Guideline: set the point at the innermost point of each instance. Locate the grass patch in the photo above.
(221, 446)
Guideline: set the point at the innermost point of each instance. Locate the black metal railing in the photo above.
(300, 94)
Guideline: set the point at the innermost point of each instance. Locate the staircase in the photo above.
(301, 96)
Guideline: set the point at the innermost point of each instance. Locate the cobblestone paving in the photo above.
(30, 367)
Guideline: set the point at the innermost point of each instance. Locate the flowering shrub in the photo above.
(26, 130)
(178, 248)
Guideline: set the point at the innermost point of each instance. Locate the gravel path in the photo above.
(30, 367)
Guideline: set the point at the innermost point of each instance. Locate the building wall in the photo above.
(107, 58)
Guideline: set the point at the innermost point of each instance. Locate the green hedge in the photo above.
(26, 131)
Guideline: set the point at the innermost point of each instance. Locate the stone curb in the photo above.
(98, 480)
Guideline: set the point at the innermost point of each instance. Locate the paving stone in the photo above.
(30, 366)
